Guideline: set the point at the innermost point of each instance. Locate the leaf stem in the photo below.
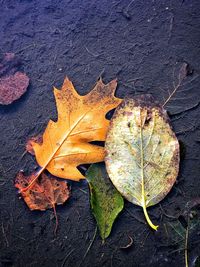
(56, 217)
(171, 94)
(142, 175)
(186, 247)
(155, 227)
(89, 247)
(53, 154)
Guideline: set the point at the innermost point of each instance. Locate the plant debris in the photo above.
(179, 231)
(182, 97)
(13, 83)
(129, 244)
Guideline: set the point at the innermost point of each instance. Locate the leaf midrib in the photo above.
(61, 143)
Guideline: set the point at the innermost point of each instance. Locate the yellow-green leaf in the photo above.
(142, 152)
(106, 201)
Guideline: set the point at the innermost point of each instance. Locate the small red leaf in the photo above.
(44, 194)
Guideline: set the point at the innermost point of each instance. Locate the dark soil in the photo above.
(139, 42)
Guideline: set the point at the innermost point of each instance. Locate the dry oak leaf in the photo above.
(142, 152)
(81, 120)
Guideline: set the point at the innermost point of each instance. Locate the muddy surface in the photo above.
(139, 42)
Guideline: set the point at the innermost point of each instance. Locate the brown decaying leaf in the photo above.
(13, 84)
(183, 232)
(46, 193)
(182, 97)
(81, 120)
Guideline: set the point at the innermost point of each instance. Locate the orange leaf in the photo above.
(44, 194)
(81, 120)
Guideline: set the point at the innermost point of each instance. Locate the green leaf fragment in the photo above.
(106, 202)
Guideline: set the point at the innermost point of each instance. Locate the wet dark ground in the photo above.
(139, 42)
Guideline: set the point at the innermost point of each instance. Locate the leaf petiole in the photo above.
(155, 227)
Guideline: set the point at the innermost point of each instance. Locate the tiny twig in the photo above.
(4, 234)
(23, 154)
(144, 240)
(129, 244)
(126, 10)
(56, 217)
(26, 47)
(91, 53)
(175, 250)
(183, 131)
(89, 247)
(66, 257)
(135, 217)
(167, 215)
(186, 246)
(171, 22)
(2, 183)
(111, 258)
(83, 191)
(101, 73)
